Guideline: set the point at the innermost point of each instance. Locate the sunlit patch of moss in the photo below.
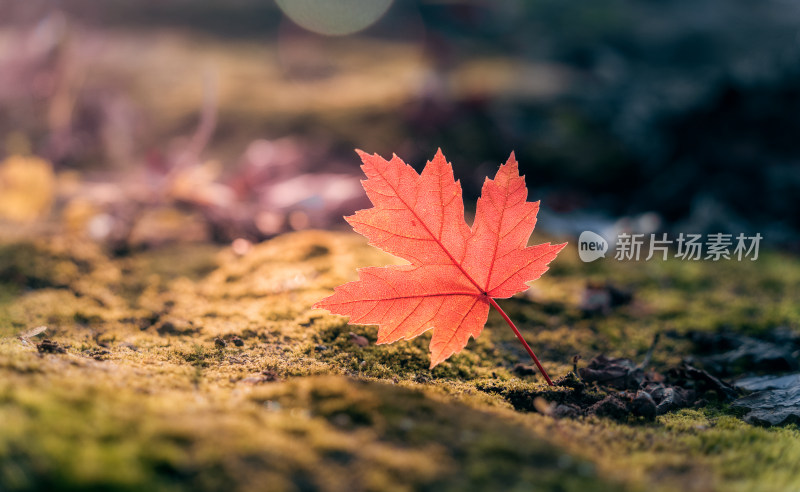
(481, 442)
(725, 443)
(691, 449)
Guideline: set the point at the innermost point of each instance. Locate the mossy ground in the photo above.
(192, 368)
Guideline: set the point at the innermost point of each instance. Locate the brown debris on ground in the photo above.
(617, 388)
(48, 346)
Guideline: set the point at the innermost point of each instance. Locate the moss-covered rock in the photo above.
(194, 368)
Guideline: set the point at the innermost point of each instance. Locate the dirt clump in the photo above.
(48, 346)
(618, 389)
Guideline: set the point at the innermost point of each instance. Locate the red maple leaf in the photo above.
(455, 271)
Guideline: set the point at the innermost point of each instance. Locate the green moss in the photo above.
(145, 399)
(714, 448)
(479, 449)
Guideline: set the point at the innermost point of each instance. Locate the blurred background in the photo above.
(144, 122)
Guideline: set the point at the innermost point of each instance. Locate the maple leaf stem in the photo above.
(524, 343)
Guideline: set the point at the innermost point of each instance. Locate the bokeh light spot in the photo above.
(334, 18)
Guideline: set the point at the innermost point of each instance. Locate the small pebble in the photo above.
(359, 340)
